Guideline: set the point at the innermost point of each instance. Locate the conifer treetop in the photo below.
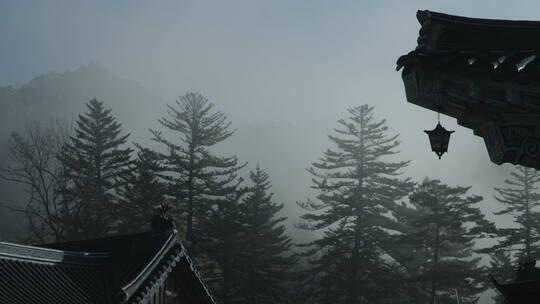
(520, 199)
(194, 118)
(95, 164)
(356, 173)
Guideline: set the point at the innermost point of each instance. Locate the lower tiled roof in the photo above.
(35, 275)
(127, 254)
(124, 269)
(523, 292)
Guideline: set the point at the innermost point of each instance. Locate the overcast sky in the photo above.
(257, 59)
(289, 62)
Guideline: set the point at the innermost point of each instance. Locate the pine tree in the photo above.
(95, 163)
(142, 192)
(199, 179)
(520, 200)
(357, 192)
(446, 223)
(265, 262)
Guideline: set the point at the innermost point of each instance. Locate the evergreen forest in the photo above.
(370, 233)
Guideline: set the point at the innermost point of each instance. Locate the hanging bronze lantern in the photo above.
(439, 139)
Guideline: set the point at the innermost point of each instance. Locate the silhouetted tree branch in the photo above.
(34, 165)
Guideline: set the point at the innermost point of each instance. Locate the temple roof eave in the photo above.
(486, 74)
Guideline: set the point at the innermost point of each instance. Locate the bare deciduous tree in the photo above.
(33, 163)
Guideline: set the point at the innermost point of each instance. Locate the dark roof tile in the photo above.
(500, 50)
(92, 271)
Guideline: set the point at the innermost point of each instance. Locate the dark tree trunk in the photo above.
(435, 262)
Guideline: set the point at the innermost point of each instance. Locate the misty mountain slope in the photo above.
(63, 96)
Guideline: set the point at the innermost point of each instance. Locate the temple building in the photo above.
(150, 267)
(526, 286)
(486, 74)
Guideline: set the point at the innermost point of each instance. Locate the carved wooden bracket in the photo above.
(507, 117)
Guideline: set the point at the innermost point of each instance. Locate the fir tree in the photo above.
(220, 246)
(265, 263)
(357, 192)
(142, 192)
(199, 179)
(411, 252)
(446, 223)
(520, 200)
(94, 162)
